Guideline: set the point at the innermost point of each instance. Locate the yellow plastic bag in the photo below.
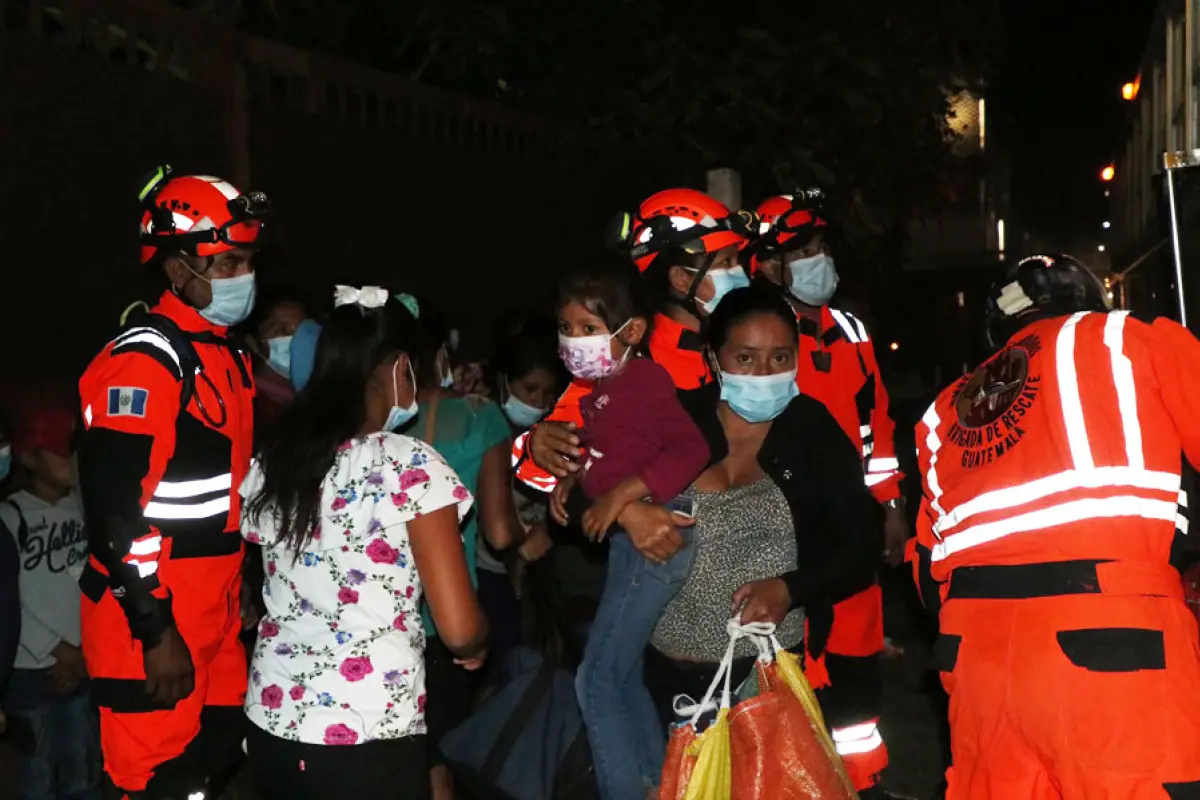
(788, 666)
(712, 777)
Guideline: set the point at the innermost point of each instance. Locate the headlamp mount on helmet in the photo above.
(663, 235)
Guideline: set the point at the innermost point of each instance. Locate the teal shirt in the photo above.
(465, 429)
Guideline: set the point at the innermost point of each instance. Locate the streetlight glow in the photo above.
(1129, 91)
(1108, 173)
(1101, 248)
(894, 346)
(1107, 224)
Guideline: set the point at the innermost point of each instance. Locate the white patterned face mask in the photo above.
(590, 357)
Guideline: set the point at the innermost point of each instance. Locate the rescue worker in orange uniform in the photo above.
(837, 366)
(685, 244)
(168, 426)
(1051, 512)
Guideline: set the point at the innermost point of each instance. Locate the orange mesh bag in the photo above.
(678, 766)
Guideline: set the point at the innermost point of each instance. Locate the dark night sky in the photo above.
(1058, 106)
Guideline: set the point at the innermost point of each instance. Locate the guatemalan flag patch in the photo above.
(127, 401)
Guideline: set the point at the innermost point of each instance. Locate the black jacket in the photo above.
(839, 537)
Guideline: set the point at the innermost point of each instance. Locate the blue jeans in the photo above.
(623, 728)
(57, 739)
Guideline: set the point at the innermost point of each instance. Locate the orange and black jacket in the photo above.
(160, 461)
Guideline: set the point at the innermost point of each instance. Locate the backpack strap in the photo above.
(22, 528)
(156, 336)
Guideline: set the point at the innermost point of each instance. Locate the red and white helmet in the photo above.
(787, 222)
(197, 214)
(686, 219)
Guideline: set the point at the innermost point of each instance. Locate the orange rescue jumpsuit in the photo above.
(837, 366)
(159, 486)
(676, 348)
(1052, 504)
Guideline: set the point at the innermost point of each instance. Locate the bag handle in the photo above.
(737, 630)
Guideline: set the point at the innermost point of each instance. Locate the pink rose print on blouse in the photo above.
(356, 668)
(268, 629)
(413, 477)
(340, 734)
(381, 552)
(347, 595)
(399, 623)
(272, 696)
(253, 538)
(338, 504)
(399, 498)
(271, 567)
(421, 704)
(460, 492)
(296, 692)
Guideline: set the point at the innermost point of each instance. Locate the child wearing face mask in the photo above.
(638, 443)
(47, 700)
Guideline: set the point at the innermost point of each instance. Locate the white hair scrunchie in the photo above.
(366, 297)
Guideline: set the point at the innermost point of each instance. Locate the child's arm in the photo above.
(603, 513)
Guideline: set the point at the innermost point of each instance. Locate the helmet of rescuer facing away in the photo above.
(197, 214)
(1039, 287)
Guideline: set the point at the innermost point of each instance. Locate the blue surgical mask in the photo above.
(280, 355)
(399, 417)
(813, 280)
(304, 352)
(758, 398)
(232, 300)
(520, 413)
(724, 281)
(5, 462)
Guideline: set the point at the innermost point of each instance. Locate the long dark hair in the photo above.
(740, 304)
(301, 447)
(612, 289)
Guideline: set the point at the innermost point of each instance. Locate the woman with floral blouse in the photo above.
(358, 524)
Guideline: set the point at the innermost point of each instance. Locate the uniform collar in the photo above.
(187, 318)
(813, 329)
(676, 335)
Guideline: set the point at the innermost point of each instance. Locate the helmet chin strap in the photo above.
(688, 301)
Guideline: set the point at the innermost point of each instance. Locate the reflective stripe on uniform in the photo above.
(1062, 514)
(199, 492)
(847, 327)
(884, 465)
(180, 511)
(185, 489)
(857, 739)
(932, 443)
(1068, 389)
(1023, 494)
(149, 336)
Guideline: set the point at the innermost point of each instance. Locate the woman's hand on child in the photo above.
(554, 447)
(653, 530)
